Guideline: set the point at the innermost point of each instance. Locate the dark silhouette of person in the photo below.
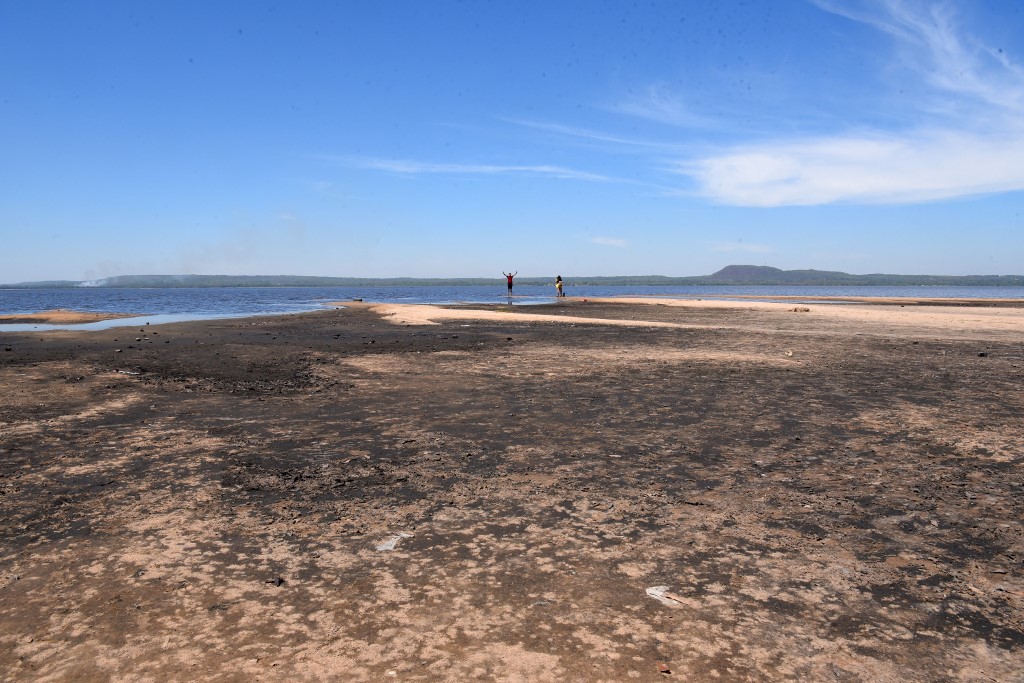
(558, 285)
(509, 277)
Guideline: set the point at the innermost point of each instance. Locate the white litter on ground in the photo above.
(662, 595)
(392, 541)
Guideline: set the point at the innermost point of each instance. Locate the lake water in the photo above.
(177, 304)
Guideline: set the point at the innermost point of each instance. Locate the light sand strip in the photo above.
(425, 314)
(866, 318)
(950, 318)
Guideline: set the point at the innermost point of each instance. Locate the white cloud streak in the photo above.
(974, 152)
(610, 242)
(591, 135)
(934, 166)
(412, 167)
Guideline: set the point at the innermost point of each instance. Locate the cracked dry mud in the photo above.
(825, 500)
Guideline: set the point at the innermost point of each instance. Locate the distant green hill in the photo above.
(730, 275)
(763, 275)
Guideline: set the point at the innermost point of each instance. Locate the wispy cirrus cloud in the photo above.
(931, 41)
(973, 145)
(610, 242)
(592, 135)
(741, 246)
(414, 167)
(660, 103)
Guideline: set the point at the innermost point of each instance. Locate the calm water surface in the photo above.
(178, 304)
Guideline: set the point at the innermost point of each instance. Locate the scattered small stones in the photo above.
(664, 668)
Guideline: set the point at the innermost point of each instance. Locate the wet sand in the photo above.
(595, 491)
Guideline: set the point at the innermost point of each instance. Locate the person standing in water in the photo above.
(558, 285)
(509, 276)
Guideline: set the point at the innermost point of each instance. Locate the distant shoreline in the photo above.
(730, 276)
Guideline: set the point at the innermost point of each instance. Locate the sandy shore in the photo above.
(878, 316)
(62, 316)
(593, 491)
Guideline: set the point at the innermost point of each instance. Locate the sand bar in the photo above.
(62, 316)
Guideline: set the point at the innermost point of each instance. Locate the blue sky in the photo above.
(466, 138)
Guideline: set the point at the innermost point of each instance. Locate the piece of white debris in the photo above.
(663, 595)
(392, 541)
